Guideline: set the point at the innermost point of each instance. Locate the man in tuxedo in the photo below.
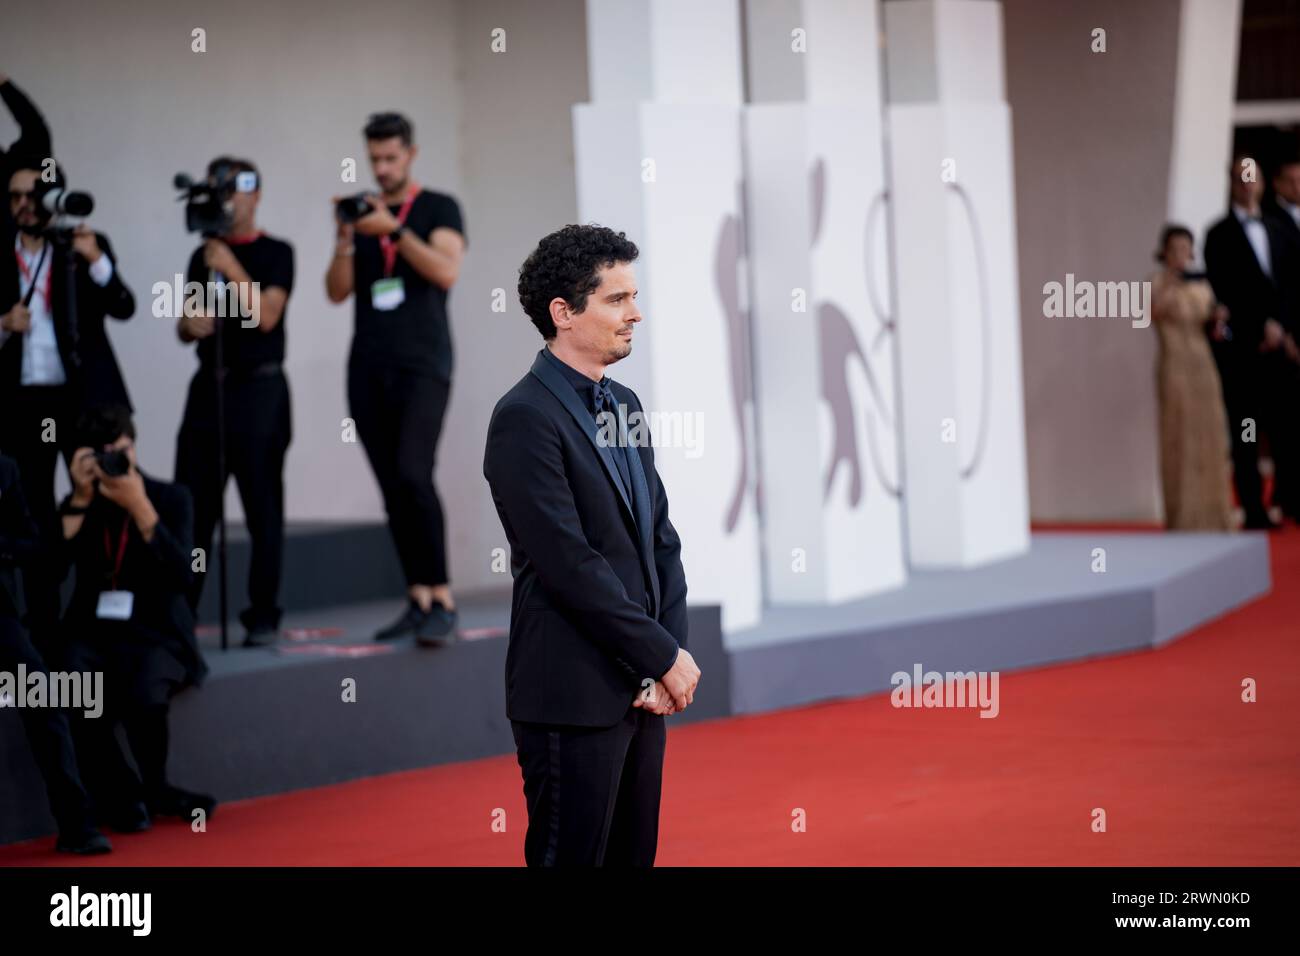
(598, 631)
(53, 364)
(46, 727)
(1249, 263)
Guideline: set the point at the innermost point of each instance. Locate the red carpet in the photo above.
(1187, 773)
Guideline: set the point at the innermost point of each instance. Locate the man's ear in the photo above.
(560, 314)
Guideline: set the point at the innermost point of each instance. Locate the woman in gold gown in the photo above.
(1194, 442)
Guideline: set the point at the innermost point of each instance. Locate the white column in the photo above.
(953, 220)
(823, 336)
(658, 157)
(1205, 92)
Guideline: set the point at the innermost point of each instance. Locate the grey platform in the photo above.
(273, 720)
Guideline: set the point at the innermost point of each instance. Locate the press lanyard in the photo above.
(386, 245)
(32, 277)
(121, 550)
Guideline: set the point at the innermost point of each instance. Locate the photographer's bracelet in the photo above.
(338, 251)
(66, 507)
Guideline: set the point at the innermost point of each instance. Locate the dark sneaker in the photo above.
(404, 626)
(175, 802)
(87, 842)
(261, 636)
(438, 629)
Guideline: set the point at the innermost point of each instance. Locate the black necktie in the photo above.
(605, 409)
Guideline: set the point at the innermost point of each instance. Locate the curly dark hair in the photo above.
(565, 265)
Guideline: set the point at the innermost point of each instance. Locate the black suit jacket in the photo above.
(1289, 232)
(157, 572)
(1241, 285)
(599, 601)
(19, 538)
(88, 360)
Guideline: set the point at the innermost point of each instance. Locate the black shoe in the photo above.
(87, 842)
(1264, 523)
(261, 636)
(130, 818)
(405, 626)
(175, 802)
(438, 629)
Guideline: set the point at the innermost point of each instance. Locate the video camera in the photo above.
(208, 207)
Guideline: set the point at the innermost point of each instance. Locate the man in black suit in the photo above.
(597, 652)
(46, 727)
(129, 538)
(1248, 261)
(53, 364)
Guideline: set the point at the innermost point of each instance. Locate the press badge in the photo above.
(115, 605)
(387, 294)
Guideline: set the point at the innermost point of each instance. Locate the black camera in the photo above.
(114, 463)
(351, 208)
(208, 207)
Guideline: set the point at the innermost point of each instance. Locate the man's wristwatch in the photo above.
(396, 234)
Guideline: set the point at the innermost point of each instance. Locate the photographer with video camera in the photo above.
(55, 358)
(400, 253)
(129, 537)
(256, 409)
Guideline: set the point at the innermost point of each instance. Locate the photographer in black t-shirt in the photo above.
(257, 412)
(400, 259)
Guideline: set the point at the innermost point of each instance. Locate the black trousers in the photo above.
(1266, 389)
(48, 735)
(258, 432)
(140, 678)
(38, 413)
(399, 416)
(592, 793)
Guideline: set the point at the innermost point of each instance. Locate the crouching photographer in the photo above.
(129, 538)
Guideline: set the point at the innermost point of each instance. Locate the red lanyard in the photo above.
(386, 245)
(121, 549)
(31, 279)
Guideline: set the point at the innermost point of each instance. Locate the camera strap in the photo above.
(386, 245)
(31, 277)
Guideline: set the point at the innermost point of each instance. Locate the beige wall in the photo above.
(1093, 133)
(130, 104)
(290, 85)
(517, 185)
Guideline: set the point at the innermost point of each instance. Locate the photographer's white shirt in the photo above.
(42, 364)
